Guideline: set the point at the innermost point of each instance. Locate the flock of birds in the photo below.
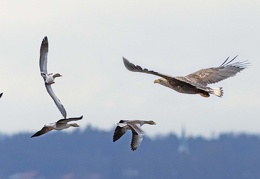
(194, 83)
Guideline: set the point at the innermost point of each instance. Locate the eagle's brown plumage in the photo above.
(195, 83)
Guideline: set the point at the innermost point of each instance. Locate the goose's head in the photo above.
(57, 75)
(151, 122)
(74, 125)
(163, 82)
(121, 123)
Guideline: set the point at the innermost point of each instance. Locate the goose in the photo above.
(135, 127)
(1, 94)
(59, 125)
(49, 78)
(195, 83)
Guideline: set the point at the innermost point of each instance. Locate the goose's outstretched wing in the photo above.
(1, 94)
(56, 100)
(216, 74)
(119, 132)
(137, 136)
(43, 56)
(69, 119)
(136, 140)
(42, 131)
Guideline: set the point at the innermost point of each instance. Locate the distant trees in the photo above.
(92, 154)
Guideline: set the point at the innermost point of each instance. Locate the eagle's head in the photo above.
(162, 81)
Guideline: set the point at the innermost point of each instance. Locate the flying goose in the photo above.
(1, 94)
(135, 127)
(49, 78)
(195, 83)
(59, 125)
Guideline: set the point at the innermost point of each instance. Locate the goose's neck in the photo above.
(149, 122)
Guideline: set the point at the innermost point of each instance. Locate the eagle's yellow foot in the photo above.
(204, 95)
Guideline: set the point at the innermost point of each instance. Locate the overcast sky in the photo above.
(87, 40)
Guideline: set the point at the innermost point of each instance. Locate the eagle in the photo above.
(195, 83)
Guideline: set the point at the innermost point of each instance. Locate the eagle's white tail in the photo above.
(217, 91)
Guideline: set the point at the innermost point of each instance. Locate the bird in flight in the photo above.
(59, 125)
(195, 83)
(49, 77)
(135, 127)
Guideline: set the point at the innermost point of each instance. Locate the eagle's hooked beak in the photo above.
(156, 81)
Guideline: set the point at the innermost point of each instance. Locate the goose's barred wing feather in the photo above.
(118, 133)
(43, 56)
(69, 119)
(42, 131)
(136, 139)
(56, 100)
(137, 135)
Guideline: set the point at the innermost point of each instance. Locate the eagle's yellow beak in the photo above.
(156, 81)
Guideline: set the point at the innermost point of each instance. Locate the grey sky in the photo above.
(87, 40)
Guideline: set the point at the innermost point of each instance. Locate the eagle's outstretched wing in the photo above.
(216, 74)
